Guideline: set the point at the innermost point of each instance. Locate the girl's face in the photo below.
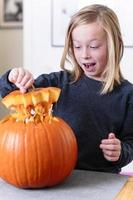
(90, 49)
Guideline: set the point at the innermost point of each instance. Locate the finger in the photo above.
(19, 86)
(111, 136)
(111, 147)
(23, 90)
(110, 141)
(21, 75)
(27, 79)
(13, 75)
(111, 153)
(29, 83)
(112, 159)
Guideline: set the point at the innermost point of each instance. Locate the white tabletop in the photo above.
(80, 185)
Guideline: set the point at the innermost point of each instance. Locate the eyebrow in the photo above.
(93, 40)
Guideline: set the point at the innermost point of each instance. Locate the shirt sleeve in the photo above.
(54, 79)
(5, 85)
(47, 80)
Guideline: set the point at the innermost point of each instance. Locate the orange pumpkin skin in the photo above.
(36, 154)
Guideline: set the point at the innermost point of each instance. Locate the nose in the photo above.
(85, 53)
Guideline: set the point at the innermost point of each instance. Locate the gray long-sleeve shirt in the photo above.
(91, 116)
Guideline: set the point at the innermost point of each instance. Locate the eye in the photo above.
(94, 47)
(77, 47)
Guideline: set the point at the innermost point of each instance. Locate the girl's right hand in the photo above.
(22, 78)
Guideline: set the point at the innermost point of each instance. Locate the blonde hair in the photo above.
(110, 24)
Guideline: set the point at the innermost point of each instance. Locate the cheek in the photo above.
(102, 58)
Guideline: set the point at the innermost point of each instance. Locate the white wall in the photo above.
(41, 57)
(11, 53)
(11, 48)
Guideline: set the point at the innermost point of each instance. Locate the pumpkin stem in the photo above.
(32, 88)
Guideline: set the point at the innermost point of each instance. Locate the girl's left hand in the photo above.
(111, 147)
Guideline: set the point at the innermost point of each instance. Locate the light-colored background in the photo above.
(31, 46)
(40, 56)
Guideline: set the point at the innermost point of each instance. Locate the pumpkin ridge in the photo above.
(67, 140)
(54, 157)
(39, 150)
(62, 155)
(11, 156)
(26, 157)
(36, 135)
(15, 166)
(2, 147)
(45, 156)
(66, 151)
(49, 175)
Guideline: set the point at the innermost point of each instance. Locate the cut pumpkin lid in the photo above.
(34, 97)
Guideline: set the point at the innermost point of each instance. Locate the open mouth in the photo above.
(90, 67)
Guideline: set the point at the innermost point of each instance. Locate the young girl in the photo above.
(96, 101)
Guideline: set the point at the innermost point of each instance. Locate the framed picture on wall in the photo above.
(11, 13)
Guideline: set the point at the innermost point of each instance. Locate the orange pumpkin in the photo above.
(36, 149)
